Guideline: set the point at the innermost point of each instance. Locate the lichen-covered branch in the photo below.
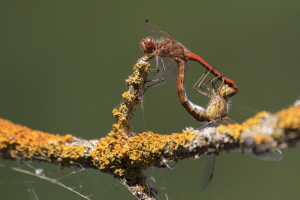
(132, 98)
(125, 154)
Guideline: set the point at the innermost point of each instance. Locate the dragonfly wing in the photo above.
(166, 69)
(155, 32)
(271, 156)
(208, 172)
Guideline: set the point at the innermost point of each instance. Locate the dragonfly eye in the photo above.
(148, 45)
(226, 91)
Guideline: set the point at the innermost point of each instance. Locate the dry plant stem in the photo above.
(126, 156)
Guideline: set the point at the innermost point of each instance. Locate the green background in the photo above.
(63, 66)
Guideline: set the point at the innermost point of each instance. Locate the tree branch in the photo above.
(125, 154)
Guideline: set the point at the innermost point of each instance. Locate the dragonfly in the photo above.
(217, 108)
(161, 45)
(215, 112)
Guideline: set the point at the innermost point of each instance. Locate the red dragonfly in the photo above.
(217, 108)
(216, 111)
(161, 45)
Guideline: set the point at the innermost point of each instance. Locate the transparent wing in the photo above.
(271, 156)
(155, 32)
(167, 69)
(208, 172)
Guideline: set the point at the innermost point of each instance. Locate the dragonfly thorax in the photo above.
(217, 109)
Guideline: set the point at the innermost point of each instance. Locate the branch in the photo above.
(125, 154)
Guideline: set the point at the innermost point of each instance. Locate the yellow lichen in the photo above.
(233, 130)
(73, 152)
(28, 143)
(132, 97)
(261, 138)
(236, 130)
(253, 121)
(119, 172)
(290, 118)
(138, 150)
(128, 96)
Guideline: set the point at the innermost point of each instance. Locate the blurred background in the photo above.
(63, 66)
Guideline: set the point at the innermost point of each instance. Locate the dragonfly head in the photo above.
(226, 91)
(148, 45)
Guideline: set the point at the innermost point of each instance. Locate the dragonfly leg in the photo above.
(159, 80)
(198, 85)
(213, 83)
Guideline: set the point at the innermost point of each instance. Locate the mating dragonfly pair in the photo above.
(160, 45)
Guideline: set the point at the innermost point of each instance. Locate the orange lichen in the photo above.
(139, 151)
(73, 152)
(26, 143)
